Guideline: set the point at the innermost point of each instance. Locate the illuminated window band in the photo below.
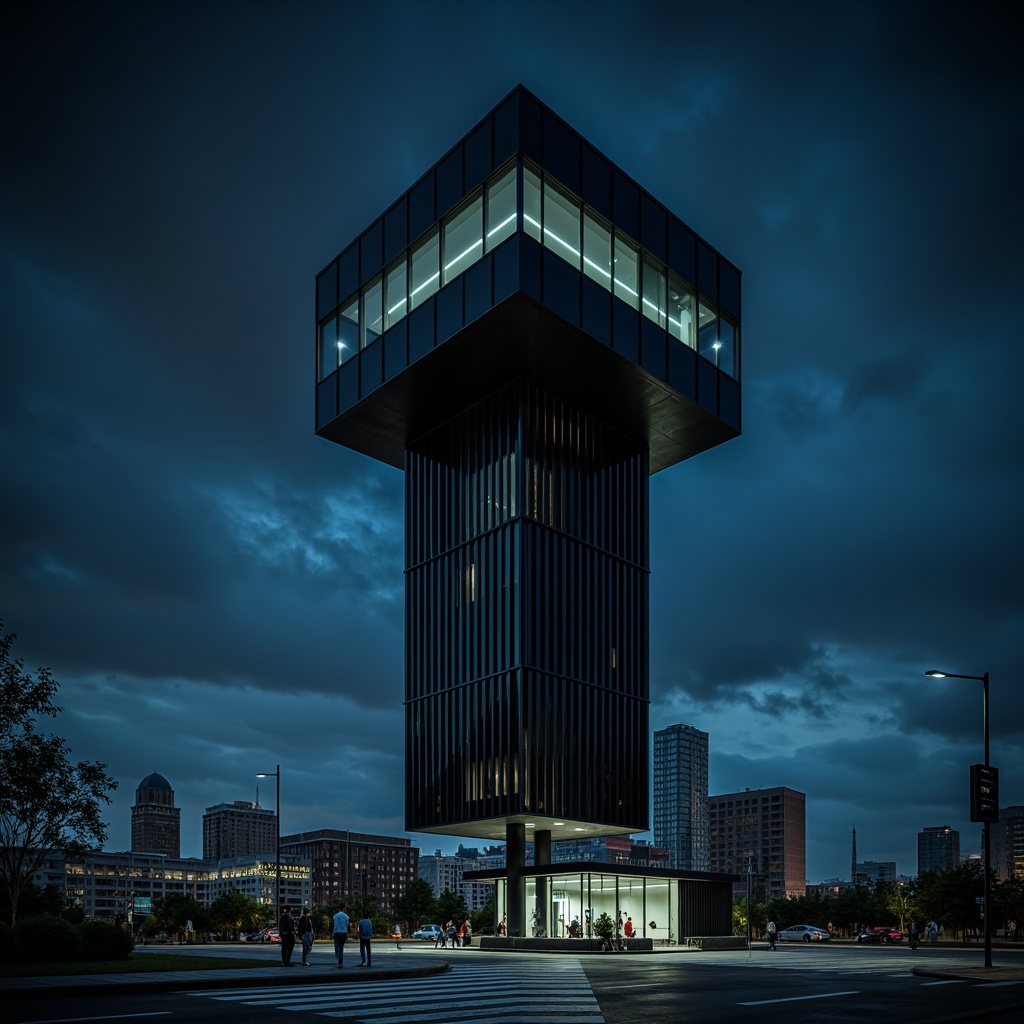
(562, 223)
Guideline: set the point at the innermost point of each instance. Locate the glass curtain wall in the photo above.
(558, 220)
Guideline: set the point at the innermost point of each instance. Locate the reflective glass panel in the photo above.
(597, 251)
(501, 208)
(626, 272)
(654, 297)
(395, 298)
(329, 352)
(727, 350)
(463, 238)
(531, 203)
(425, 269)
(708, 344)
(680, 310)
(373, 311)
(562, 224)
(348, 330)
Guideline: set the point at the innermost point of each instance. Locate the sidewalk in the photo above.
(997, 972)
(176, 981)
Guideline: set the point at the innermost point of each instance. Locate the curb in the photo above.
(39, 988)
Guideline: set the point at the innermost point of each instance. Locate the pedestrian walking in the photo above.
(771, 934)
(396, 934)
(286, 933)
(305, 930)
(340, 934)
(912, 935)
(365, 939)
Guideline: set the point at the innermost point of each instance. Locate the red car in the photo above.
(885, 935)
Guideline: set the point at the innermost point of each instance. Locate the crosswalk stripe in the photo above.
(549, 993)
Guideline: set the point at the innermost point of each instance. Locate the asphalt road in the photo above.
(816, 984)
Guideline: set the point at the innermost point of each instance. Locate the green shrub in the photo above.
(46, 938)
(104, 941)
(8, 944)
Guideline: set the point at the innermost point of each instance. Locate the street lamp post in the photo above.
(277, 855)
(987, 830)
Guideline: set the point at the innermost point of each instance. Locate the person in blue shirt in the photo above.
(340, 934)
(365, 939)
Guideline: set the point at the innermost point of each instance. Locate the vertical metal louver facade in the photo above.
(526, 618)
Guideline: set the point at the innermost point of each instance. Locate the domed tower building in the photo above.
(156, 822)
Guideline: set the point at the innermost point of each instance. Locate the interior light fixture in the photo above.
(430, 280)
(507, 220)
(464, 254)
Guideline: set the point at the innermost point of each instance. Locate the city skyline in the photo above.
(218, 591)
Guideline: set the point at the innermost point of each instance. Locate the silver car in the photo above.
(803, 933)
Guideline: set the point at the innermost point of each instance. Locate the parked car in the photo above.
(428, 933)
(272, 935)
(803, 933)
(256, 937)
(869, 935)
(884, 935)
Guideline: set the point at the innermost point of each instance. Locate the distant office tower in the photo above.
(238, 829)
(875, 871)
(347, 863)
(767, 829)
(938, 849)
(1008, 843)
(681, 796)
(156, 822)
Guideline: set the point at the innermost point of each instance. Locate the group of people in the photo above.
(288, 929)
(457, 935)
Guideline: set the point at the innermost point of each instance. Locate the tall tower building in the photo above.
(938, 849)
(1008, 843)
(156, 822)
(528, 334)
(237, 830)
(767, 830)
(681, 796)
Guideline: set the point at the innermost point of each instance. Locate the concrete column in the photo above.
(541, 856)
(515, 861)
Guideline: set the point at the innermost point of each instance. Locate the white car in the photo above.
(803, 933)
(429, 932)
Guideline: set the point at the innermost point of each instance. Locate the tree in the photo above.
(234, 912)
(174, 911)
(451, 906)
(416, 905)
(47, 802)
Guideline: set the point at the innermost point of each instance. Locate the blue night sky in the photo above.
(219, 591)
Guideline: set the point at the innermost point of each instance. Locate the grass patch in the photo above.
(135, 964)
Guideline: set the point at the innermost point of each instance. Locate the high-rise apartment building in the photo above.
(765, 830)
(681, 796)
(237, 830)
(529, 335)
(938, 849)
(345, 863)
(1008, 843)
(156, 822)
(445, 872)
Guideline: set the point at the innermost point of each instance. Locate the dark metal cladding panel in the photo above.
(396, 229)
(596, 187)
(327, 290)
(707, 270)
(561, 152)
(479, 161)
(653, 227)
(450, 188)
(371, 252)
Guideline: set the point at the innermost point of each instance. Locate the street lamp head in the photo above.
(935, 673)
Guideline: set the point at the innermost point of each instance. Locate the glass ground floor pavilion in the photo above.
(665, 906)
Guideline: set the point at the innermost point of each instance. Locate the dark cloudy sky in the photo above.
(219, 591)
